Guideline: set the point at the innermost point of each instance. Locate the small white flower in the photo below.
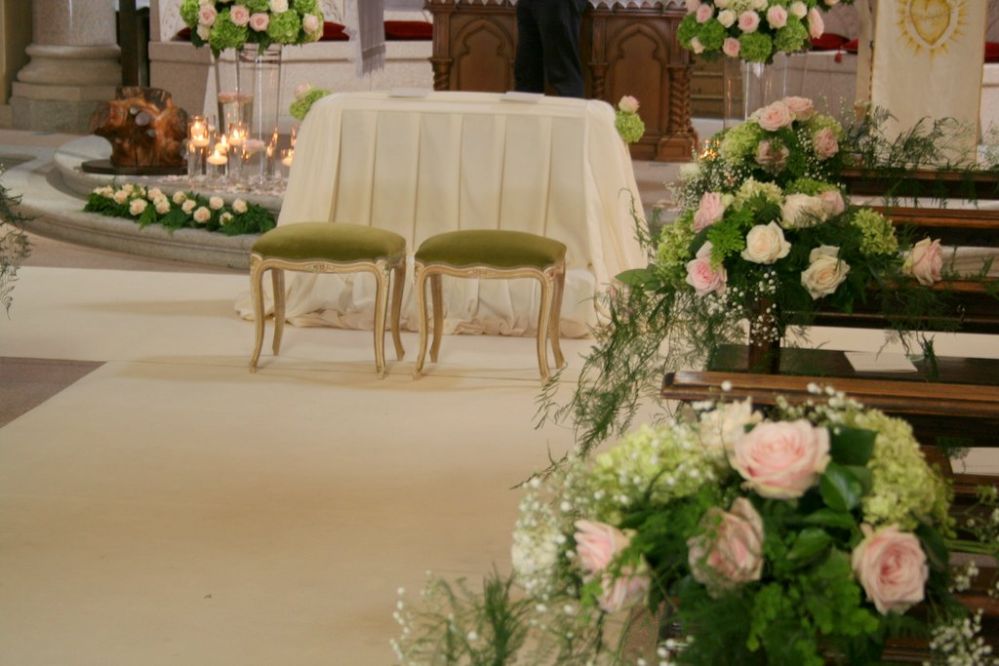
(202, 215)
(216, 203)
(239, 206)
(726, 386)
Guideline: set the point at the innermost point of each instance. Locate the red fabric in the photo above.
(852, 46)
(409, 30)
(183, 35)
(829, 42)
(991, 51)
(334, 32)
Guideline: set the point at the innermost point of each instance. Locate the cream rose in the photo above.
(799, 9)
(179, 198)
(137, 207)
(730, 551)
(775, 116)
(781, 460)
(710, 210)
(239, 206)
(833, 203)
(162, 205)
(722, 426)
(696, 46)
(311, 24)
(765, 244)
(704, 277)
(816, 26)
(204, 31)
(239, 15)
(825, 273)
(777, 17)
(760, 5)
(704, 13)
(801, 210)
(825, 144)
(802, 107)
(727, 18)
(188, 206)
(628, 104)
(120, 197)
(731, 47)
(225, 218)
(925, 261)
(260, 21)
(891, 567)
(278, 6)
(216, 203)
(202, 215)
(770, 158)
(749, 21)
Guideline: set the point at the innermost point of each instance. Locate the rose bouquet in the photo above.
(794, 538)
(180, 210)
(231, 24)
(752, 30)
(627, 121)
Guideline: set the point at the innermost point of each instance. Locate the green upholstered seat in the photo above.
(329, 241)
(491, 247)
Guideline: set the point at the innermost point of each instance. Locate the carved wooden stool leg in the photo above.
(277, 280)
(555, 331)
(257, 296)
(381, 305)
(544, 319)
(421, 309)
(437, 292)
(398, 283)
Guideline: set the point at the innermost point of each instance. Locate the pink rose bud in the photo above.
(704, 277)
(749, 21)
(777, 17)
(627, 589)
(597, 544)
(891, 567)
(925, 261)
(239, 15)
(731, 47)
(770, 158)
(730, 552)
(774, 116)
(628, 104)
(816, 26)
(711, 210)
(259, 21)
(781, 460)
(801, 107)
(704, 13)
(825, 144)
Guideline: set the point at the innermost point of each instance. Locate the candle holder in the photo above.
(287, 158)
(237, 138)
(199, 137)
(218, 161)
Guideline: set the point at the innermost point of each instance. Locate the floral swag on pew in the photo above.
(803, 538)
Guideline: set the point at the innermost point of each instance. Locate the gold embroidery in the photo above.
(931, 24)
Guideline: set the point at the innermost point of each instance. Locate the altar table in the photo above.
(434, 162)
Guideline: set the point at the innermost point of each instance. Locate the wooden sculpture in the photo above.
(146, 131)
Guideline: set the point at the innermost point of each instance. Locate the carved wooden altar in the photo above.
(626, 50)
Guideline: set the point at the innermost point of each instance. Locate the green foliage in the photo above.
(189, 12)
(629, 126)
(284, 27)
(302, 105)
(792, 37)
(225, 34)
(756, 47)
(711, 34)
(14, 245)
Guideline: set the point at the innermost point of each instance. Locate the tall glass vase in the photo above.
(749, 86)
(234, 102)
(261, 80)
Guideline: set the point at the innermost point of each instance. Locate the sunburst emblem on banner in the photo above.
(931, 24)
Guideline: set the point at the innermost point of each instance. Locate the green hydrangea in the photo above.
(753, 188)
(284, 27)
(792, 37)
(906, 490)
(822, 121)
(740, 142)
(810, 186)
(300, 107)
(689, 28)
(755, 47)
(877, 233)
(225, 34)
(673, 252)
(629, 126)
(668, 461)
(712, 34)
(189, 12)
(256, 6)
(305, 6)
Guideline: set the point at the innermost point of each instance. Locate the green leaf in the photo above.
(840, 489)
(934, 546)
(830, 518)
(851, 446)
(636, 277)
(810, 544)
(864, 475)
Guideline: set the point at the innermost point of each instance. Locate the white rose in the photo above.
(239, 206)
(179, 198)
(696, 46)
(825, 273)
(204, 32)
(188, 206)
(311, 23)
(216, 203)
(120, 197)
(720, 428)
(799, 9)
(801, 210)
(278, 6)
(162, 205)
(137, 207)
(154, 193)
(202, 215)
(727, 17)
(766, 244)
(225, 219)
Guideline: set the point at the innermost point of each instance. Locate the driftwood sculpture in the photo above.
(145, 128)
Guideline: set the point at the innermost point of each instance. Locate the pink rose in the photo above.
(704, 277)
(259, 21)
(833, 202)
(825, 144)
(777, 17)
(597, 544)
(730, 552)
(628, 104)
(731, 47)
(801, 107)
(925, 261)
(816, 26)
(891, 566)
(239, 15)
(749, 21)
(781, 460)
(692, 5)
(628, 589)
(770, 158)
(704, 13)
(711, 210)
(207, 15)
(774, 116)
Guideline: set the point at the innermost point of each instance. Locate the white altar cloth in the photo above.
(444, 161)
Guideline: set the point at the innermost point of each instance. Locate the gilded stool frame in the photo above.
(386, 271)
(552, 279)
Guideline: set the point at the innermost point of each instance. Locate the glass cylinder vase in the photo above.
(261, 79)
(235, 102)
(750, 86)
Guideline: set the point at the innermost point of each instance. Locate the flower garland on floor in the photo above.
(14, 245)
(181, 210)
(224, 24)
(788, 539)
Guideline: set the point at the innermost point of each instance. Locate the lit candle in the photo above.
(294, 135)
(199, 134)
(288, 157)
(218, 158)
(237, 135)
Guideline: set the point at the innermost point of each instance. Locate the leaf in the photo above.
(830, 518)
(810, 544)
(852, 446)
(840, 489)
(934, 546)
(636, 277)
(864, 475)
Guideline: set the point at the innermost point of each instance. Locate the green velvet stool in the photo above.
(492, 253)
(325, 247)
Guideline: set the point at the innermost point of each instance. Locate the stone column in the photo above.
(73, 67)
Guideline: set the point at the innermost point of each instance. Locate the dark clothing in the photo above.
(548, 46)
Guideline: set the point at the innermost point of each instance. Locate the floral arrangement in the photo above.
(181, 210)
(752, 30)
(14, 244)
(792, 538)
(627, 121)
(305, 96)
(232, 24)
